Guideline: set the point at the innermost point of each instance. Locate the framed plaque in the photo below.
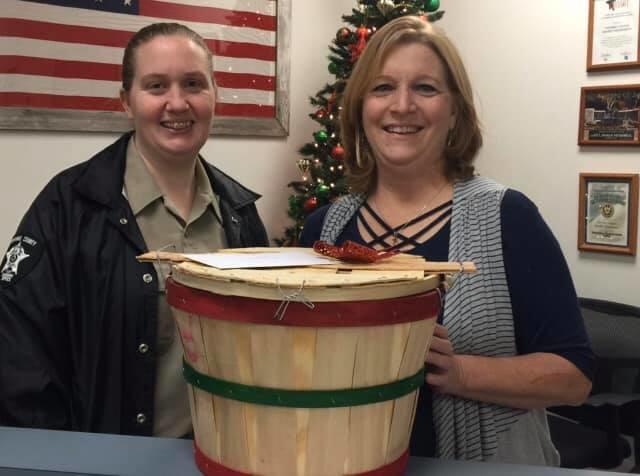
(608, 215)
(609, 115)
(613, 41)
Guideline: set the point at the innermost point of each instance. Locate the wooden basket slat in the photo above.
(327, 442)
(368, 436)
(232, 436)
(276, 433)
(400, 428)
(205, 428)
(418, 342)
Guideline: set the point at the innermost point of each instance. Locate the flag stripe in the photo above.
(80, 17)
(242, 50)
(182, 12)
(13, 64)
(87, 103)
(245, 110)
(19, 28)
(106, 54)
(264, 7)
(37, 100)
(245, 81)
(22, 28)
(110, 89)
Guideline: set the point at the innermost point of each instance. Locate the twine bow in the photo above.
(296, 296)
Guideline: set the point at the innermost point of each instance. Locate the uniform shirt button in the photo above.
(143, 348)
(147, 278)
(141, 418)
(123, 221)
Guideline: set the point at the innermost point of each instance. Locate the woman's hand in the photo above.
(444, 372)
(527, 381)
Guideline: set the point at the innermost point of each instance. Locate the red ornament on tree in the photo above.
(358, 48)
(337, 152)
(310, 204)
(331, 102)
(320, 113)
(343, 35)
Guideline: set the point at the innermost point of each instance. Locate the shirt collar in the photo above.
(139, 186)
(141, 189)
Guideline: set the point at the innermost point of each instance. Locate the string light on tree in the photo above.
(322, 157)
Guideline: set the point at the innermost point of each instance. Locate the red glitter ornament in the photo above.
(353, 252)
(337, 152)
(310, 204)
(358, 48)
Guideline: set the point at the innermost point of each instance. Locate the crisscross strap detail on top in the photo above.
(399, 239)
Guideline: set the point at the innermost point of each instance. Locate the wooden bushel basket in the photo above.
(301, 371)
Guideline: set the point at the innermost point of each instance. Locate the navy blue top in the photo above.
(546, 316)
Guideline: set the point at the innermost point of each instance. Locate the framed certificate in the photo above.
(609, 115)
(608, 215)
(613, 34)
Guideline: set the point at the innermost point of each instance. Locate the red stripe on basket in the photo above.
(324, 314)
(209, 467)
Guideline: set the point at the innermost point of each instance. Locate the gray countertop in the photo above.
(26, 452)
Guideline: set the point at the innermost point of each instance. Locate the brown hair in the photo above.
(147, 34)
(464, 140)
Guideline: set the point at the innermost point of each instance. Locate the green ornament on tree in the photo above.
(431, 5)
(333, 68)
(322, 191)
(320, 136)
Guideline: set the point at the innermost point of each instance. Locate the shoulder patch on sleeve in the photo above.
(23, 255)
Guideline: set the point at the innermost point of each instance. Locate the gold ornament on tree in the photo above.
(303, 166)
(385, 6)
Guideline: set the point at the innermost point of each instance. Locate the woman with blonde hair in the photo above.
(511, 340)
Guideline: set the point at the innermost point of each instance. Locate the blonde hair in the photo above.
(464, 140)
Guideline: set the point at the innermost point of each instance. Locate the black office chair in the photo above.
(590, 435)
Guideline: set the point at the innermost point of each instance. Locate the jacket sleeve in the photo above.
(34, 345)
(257, 231)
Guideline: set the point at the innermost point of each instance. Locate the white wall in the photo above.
(527, 62)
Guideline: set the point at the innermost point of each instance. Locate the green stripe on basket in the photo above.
(303, 398)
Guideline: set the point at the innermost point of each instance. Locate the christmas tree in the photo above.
(321, 166)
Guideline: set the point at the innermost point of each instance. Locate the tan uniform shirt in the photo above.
(162, 228)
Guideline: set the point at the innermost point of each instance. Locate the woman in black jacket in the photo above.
(86, 338)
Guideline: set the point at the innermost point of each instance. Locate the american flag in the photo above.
(67, 54)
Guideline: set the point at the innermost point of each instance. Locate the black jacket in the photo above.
(77, 310)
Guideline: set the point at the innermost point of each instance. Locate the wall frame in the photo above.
(609, 115)
(55, 46)
(614, 40)
(608, 213)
